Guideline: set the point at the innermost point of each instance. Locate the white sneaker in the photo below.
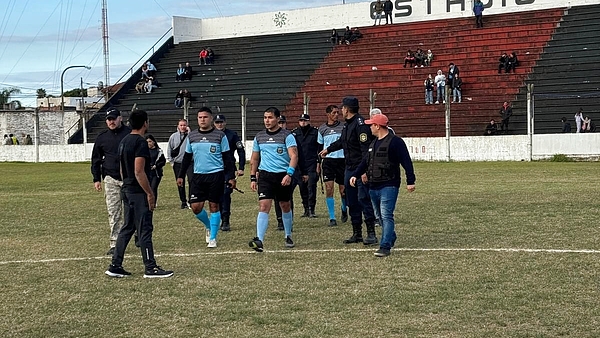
(437, 102)
(207, 235)
(212, 243)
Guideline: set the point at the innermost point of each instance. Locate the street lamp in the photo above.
(62, 97)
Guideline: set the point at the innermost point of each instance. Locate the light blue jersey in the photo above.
(329, 134)
(273, 149)
(207, 148)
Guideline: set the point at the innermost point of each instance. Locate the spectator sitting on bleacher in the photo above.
(346, 37)
(181, 96)
(588, 126)
(419, 58)
(180, 72)
(139, 87)
(334, 38)
(428, 58)
(151, 69)
(356, 34)
(202, 56)
(503, 63)
(566, 126)
(211, 56)
(409, 58)
(187, 75)
(150, 85)
(512, 63)
(491, 128)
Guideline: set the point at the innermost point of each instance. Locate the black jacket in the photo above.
(235, 144)
(307, 139)
(355, 140)
(388, 6)
(157, 158)
(105, 155)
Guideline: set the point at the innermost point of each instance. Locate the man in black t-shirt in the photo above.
(138, 200)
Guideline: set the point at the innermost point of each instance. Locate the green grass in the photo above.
(322, 288)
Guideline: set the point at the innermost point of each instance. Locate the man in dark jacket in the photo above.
(307, 140)
(234, 144)
(388, 6)
(505, 113)
(105, 166)
(355, 139)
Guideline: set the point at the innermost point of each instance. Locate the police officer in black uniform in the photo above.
(355, 140)
(307, 140)
(237, 144)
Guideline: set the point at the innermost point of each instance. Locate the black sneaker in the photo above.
(110, 251)
(382, 253)
(353, 239)
(370, 240)
(280, 226)
(116, 271)
(184, 205)
(256, 244)
(306, 213)
(136, 241)
(332, 223)
(288, 242)
(225, 226)
(158, 272)
(344, 216)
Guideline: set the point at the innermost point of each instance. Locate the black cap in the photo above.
(282, 119)
(304, 117)
(350, 101)
(220, 118)
(112, 113)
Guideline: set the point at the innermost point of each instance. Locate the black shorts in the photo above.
(269, 187)
(333, 170)
(207, 187)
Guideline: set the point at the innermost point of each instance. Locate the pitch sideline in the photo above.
(298, 251)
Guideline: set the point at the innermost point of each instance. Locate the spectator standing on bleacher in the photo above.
(505, 113)
(334, 38)
(452, 73)
(440, 83)
(579, 120)
(180, 72)
(457, 89)
(429, 84)
(378, 11)
(388, 7)
(478, 11)
(187, 74)
(202, 56)
(503, 63)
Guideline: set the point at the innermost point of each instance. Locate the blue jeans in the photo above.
(428, 96)
(384, 203)
(441, 92)
(359, 202)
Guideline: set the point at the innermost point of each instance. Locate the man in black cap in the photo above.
(308, 161)
(355, 140)
(105, 166)
(237, 144)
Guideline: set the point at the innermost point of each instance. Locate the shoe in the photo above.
(288, 242)
(306, 213)
(257, 244)
(312, 215)
(280, 226)
(377, 223)
(225, 226)
(382, 253)
(110, 251)
(344, 216)
(158, 272)
(136, 241)
(332, 223)
(116, 271)
(212, 243)
(354, 239)
(437, 102)
(184, 205)
(207, 236)
(370, 240)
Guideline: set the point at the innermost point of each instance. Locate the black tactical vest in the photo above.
(379, 162)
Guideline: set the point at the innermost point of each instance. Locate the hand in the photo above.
(287, 180)
(180, 182)
(364, 178)
(240, 173)
(353, 181)
(304, 178)
(172, 164)
(98, 186)
(151, 201)
(323, 153)
(232, 183)
(410, 188)
(153, 167)
(253, 186)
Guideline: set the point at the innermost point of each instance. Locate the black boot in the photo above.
(371, 237)
(280, 224)
(356, 235)
(306, 212)
(225, 226)
(311, 212)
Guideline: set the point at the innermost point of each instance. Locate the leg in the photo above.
(355, 210)
(388, 197)
(312, 192)
(225, 206)
(181, 190)
(143, 223)
(368, 212)
(304, 194)
(126, 232)
(114, 206)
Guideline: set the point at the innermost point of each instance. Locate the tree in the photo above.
(41, 93)
(5, 95)
(75, 93)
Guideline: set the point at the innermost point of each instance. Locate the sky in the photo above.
(40, 38)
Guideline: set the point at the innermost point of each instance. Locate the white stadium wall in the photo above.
(355, 14)
(463, 148)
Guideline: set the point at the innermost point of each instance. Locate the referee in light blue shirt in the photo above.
(273, 163)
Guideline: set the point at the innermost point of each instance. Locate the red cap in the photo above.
(378, 119)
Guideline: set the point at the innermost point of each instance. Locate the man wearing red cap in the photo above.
(386, 153)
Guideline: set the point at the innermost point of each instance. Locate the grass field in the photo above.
(448, 276)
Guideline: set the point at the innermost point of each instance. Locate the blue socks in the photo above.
(215, 221)
(262, 223)
(287, 222)
(203, 217)
(330, 207)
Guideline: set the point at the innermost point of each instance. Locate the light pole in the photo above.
(62, 97)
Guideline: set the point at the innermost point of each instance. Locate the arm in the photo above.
(254, 161)
(399, 154)
(293, 153)
(140, 176)
(97, 155)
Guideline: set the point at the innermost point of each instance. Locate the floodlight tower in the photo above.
(105, 44)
